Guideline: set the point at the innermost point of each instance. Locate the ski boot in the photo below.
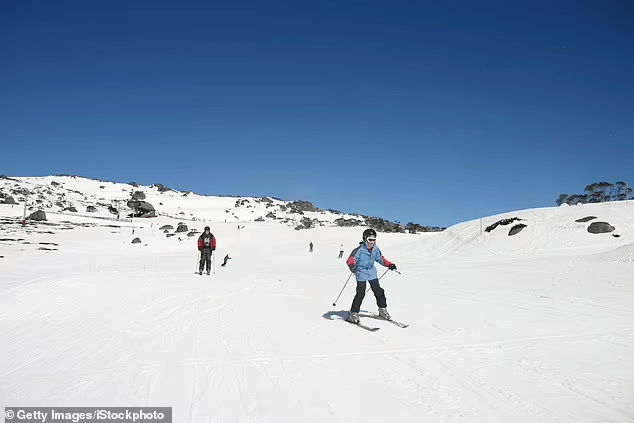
(384, 314)
(354, 318)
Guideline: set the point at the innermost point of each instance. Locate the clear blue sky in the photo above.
(432, 112)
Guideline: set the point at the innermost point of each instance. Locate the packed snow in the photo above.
(534, 327)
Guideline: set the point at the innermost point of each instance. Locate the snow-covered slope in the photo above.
(57, 194)
(533, 327)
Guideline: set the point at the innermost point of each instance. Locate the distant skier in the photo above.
(226, 259)
(361, 263)
(310, 246)
(340, 251)
(206, 246)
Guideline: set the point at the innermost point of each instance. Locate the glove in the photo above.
(392, 266)
(353, 269)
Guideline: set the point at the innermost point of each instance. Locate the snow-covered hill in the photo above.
(532, 327)
(110, 200)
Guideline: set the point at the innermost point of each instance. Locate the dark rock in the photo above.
(9, 200)
(162, 188)
(501, 222)
(600, 228)
(165, 227)
(136, 241)
(302, 206)
(71, 209)
(585, 219)
(271, 215)
(306, 223)
(182, 228)
(382, 225)
(113, 210)
(259, 219)
(516, 229)
(138, 195)
(91, 209)
(37, 216)
(55, 184)
(348, 223)
(142, 208)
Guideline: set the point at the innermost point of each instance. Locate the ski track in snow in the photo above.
(534, 328)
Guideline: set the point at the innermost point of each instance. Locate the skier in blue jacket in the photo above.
(361, 263)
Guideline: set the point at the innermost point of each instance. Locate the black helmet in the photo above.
(369, 233)
(207, 228)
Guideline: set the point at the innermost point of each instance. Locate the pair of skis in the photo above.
(377, 317)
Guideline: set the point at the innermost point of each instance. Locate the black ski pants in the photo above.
(205, 259)
(379, 294)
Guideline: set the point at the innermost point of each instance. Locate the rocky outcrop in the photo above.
(9, 200)
(162, 188)
(138, 195)
(142, 208)
(382, 225)
(182, 228)
(37, 216)
(516, 229)
(585, 219)
(300, 207)
(348, 223)
(600, 228)
(501, 222)
(306, 223)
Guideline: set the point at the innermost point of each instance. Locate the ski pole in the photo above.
(344, 287)
(366, 291)
(213, 261)
(198, 262)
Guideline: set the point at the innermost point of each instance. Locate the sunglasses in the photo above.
(371, 239)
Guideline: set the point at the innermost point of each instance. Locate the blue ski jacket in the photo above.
(361, 262)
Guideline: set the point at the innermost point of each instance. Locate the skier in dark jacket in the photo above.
(361, 263)
(206, 246)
